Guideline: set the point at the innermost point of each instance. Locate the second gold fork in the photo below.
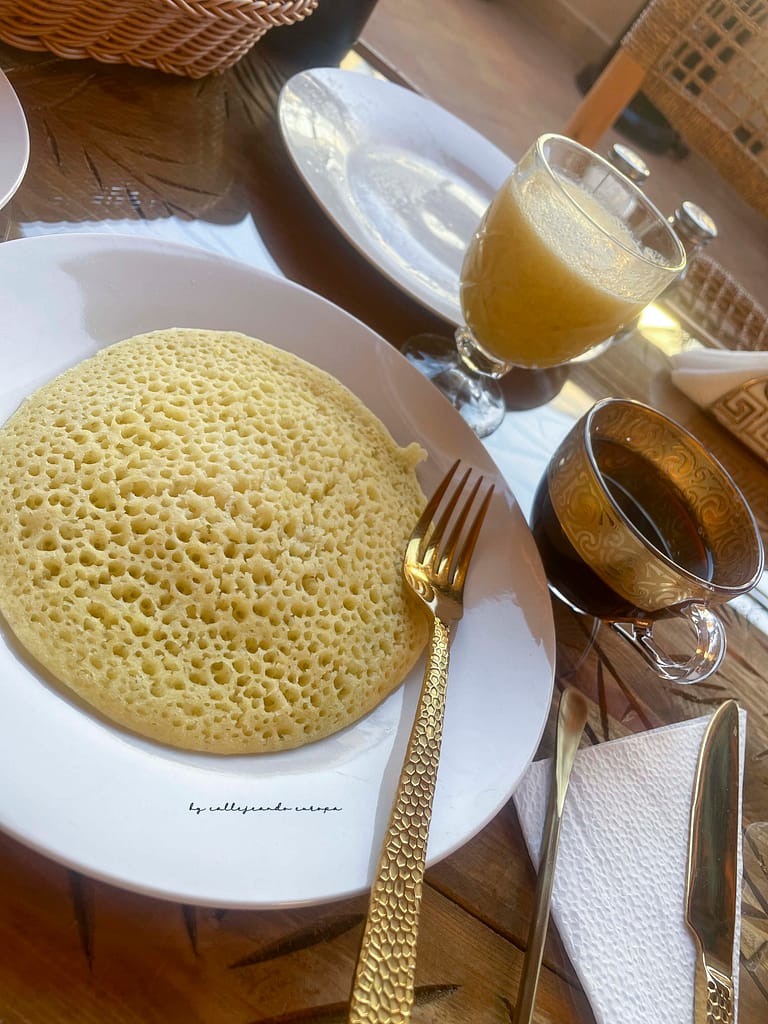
(435, 568)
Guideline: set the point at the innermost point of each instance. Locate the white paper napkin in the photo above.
(618, 898)
(707, 374)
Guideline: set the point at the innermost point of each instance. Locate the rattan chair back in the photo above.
(704, 65)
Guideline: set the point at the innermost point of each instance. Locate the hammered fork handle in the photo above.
(382, 992)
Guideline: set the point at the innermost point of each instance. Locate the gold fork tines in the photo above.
(435, 568)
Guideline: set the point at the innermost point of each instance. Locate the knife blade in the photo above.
(711, 880)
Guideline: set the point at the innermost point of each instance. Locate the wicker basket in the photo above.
(183, 37)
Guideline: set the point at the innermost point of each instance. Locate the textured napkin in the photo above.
(707, 374)
(618, 898)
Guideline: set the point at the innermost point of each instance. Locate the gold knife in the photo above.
(711, 882)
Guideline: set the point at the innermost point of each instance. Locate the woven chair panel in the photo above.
(710, 299)
(709, 76)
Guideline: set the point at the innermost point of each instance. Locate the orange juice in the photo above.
(542, 282)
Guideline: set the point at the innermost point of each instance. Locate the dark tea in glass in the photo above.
(635, 520)
(652, 505)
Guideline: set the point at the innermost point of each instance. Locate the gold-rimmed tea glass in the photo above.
(636, 521)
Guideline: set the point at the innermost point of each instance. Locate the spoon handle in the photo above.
(571, 719)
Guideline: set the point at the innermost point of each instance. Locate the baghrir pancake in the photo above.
(201, 535)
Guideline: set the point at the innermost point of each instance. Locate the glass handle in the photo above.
(706, 659)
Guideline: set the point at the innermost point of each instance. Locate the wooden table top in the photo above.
(116, 148)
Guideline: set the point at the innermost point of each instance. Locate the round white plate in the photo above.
(279, 829)
(14, 141)
(404, 180)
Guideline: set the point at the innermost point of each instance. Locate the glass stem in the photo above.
(475, 360)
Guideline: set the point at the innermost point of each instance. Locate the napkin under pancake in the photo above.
(202, 536)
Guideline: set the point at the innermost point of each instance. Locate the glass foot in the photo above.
(478, 399)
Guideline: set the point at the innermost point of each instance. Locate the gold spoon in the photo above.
(571, 719)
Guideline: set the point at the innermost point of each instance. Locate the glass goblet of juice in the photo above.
(568, 251)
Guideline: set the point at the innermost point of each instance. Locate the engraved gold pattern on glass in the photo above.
(635, 520)
(435, 568)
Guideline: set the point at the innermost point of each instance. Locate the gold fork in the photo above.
(382, 992)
